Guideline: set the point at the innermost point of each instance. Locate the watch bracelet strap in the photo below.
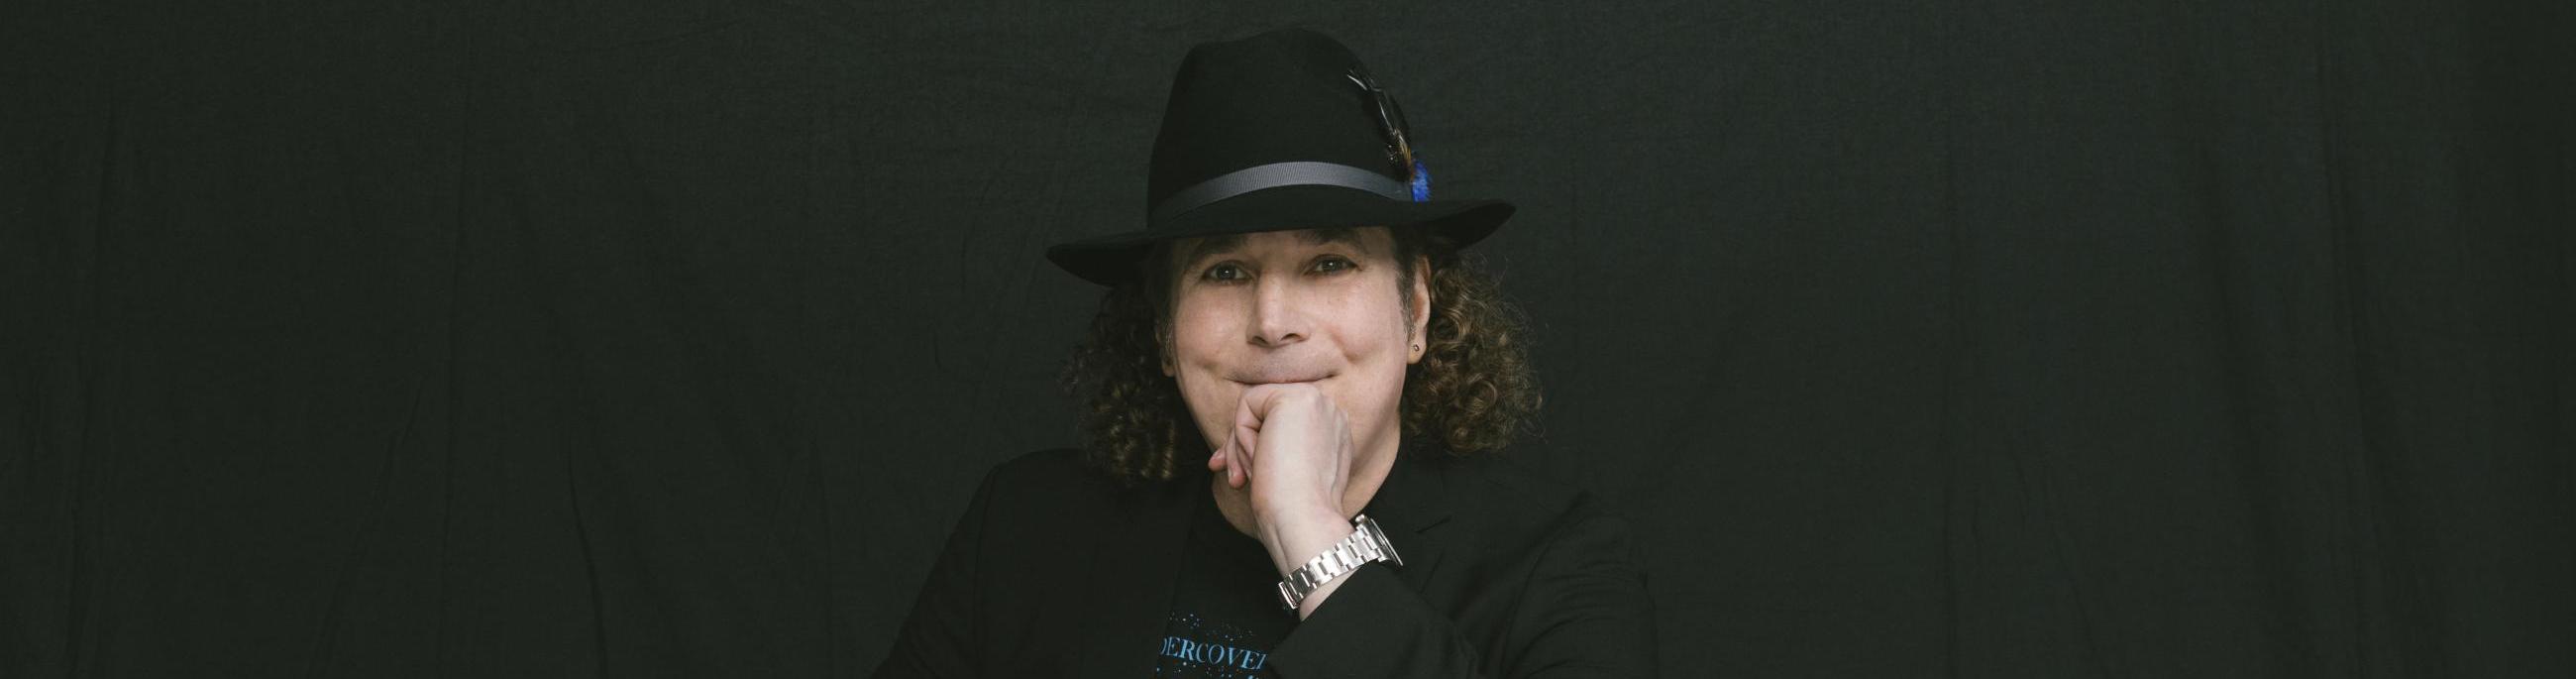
(1365, 544)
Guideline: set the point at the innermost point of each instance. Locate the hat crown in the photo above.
(1283, 96)
(1279, 131)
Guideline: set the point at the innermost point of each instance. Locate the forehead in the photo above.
(1368, 240)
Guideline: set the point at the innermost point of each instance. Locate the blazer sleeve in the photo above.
(1583, 613)
(937, 637)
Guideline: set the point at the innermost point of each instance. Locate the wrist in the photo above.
(1307, 585)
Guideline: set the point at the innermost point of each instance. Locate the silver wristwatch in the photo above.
(1365, 544)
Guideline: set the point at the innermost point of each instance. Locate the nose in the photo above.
(1278, 318)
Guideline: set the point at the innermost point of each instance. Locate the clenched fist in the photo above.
(1292, 445)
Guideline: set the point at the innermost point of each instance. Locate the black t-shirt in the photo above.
(1225, 613)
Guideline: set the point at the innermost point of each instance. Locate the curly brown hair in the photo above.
(1473, 390)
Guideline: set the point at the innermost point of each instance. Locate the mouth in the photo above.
(1280, 377)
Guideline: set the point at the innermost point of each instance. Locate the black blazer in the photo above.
(1054, 572)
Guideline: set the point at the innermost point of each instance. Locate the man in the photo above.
(1293, 391)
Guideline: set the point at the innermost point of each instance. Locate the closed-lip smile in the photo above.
(1280, 377)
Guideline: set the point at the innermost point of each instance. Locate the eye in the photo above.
(1333, 264)
(1226, 272)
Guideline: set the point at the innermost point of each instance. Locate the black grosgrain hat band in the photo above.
(1275, 175)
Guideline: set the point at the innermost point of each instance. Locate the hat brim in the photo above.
(1111, 260)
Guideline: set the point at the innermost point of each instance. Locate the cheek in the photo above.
(1377, 341)
(1197, 348)
(1379, 333)
(1198, 334)
(1212, 403)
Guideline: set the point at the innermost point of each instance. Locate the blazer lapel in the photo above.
(1409, 505)
(1130, 578)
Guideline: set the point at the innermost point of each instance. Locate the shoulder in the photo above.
(1056, 485)
(1051, 465)
(1503, 505)
(1052, 477)
(1509, 489)
(1066, 469)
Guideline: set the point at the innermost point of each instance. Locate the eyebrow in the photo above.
(1217, 245)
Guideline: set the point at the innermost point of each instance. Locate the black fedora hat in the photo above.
(1279, 131)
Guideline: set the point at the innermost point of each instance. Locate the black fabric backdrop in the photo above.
(1977, 338)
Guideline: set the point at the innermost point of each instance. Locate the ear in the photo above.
(1163, 349)
(1421, 293)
